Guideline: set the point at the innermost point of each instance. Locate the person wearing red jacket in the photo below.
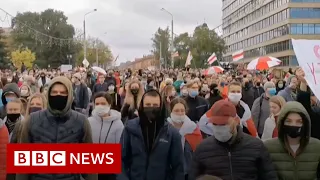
(4, 140)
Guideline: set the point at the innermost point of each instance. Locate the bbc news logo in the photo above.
(63, 158)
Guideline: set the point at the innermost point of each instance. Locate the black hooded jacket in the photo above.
(150, 130)
(11, 87)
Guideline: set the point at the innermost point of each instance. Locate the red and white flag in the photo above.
(189, 58)
(212, 58)
(175, 54)
(236, 56)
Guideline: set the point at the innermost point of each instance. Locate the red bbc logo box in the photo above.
(64, 158)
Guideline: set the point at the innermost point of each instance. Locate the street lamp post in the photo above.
(171, 47)
(84, 33)
(69, 56)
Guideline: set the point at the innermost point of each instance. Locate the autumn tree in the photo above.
(25, 56)
(49, 51)
(4, 61)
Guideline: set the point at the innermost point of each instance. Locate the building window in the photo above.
(293, 61)
(305, 28)
(264, 50)
(304, 13)
(299, 1)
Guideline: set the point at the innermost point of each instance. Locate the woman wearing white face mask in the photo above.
(25, 91)
(189, 131)
(106, 124)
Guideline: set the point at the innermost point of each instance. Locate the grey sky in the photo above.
(128, 24)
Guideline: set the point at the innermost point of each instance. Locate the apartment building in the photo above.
(266, 27)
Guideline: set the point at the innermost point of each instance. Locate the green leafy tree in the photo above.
(4, 61)
(182, 44)
(49, 51)
(202, 44)
(105, 56)
(162, 38)
(206, 41)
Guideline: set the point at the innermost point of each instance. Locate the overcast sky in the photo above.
(126, 25)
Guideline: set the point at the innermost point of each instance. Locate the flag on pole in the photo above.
(175, 54)
(212, 58)
(189, 58)
(116, 58)
(236, 56)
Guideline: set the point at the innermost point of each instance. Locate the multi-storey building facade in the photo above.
(266, 27)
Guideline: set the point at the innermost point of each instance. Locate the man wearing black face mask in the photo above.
(247, 92)
(43, 80)
(214, 94)
(60, 124)
(110, 79)
(257, 89)
(153, 139)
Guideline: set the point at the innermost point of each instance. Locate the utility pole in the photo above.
(161, 59)
(84, 33)
(171, 46)
(172, 58)
(97, 53)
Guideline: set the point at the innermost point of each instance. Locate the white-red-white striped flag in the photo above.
(212, 58)
(189, 58)
(238, 55)
(175, 54)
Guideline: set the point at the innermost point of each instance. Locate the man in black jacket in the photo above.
(81, 96)
(231, 154)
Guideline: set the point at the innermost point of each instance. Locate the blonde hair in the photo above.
(167, 90)
(36, 95)
(279, 100)
(129, 99)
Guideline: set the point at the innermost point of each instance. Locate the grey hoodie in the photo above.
(108, 130)
(11, 87)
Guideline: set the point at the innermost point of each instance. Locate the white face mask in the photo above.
(177, 118)
(101, 110)
(280, 85)
(222, 133)
(111, 88)
(234, 97)
(24, 92)
(184, 92)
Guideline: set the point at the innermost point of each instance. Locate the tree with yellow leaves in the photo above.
(20, 56)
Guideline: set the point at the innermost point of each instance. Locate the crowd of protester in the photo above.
(174, 124)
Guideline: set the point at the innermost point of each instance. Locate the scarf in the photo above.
(275, 130)
(10, 124)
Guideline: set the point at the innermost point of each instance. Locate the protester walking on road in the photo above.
(146, 140)
(231, 154)
(61, 124)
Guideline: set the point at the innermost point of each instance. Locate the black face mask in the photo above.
(134, 91)
(34, 109)
(152, 113)
(292, 131)
(258, 83)
(215, 91)
(13, 117)
(58, 102)
(246, 84)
